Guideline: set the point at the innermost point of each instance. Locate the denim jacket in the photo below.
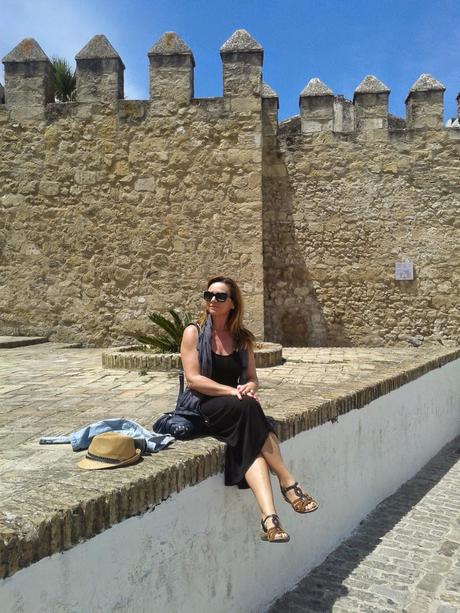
(144, 440)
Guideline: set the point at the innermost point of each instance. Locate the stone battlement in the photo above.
(29, 88)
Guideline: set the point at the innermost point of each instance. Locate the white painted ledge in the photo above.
(199, 551)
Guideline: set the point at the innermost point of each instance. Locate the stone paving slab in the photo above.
(47, 504)
(404, 557)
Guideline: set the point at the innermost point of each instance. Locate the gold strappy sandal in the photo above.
(302, 501)
(270, 534)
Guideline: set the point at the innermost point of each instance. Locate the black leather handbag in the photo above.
(186, 420)
(180, 426)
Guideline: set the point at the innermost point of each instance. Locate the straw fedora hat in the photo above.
(110, 450)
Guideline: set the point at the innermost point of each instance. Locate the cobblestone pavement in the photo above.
(404, 557)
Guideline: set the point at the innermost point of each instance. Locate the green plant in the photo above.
(169, 338)
(65, 82)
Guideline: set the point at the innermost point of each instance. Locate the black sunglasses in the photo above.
(219, 296)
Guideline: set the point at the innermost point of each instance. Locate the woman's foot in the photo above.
(272, 530)
(299, 500)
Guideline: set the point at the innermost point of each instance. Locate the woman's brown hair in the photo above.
(244, 338)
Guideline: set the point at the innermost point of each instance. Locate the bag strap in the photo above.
(181, 382)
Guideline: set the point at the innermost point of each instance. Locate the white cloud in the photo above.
(61, 28)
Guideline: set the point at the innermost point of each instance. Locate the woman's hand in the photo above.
(247, 389)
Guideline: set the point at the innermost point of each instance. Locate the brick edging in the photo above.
(133, 358)
(331, 409)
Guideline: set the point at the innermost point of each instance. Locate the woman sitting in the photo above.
(230, 406)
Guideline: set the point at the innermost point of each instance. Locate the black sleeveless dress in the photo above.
(239, 423)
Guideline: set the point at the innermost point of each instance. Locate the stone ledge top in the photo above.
(315, 87)
(19, 341)
(48, 504)
(267, 91)
(98, 48)
(170, 44)
(241, 41)
(425, 83)
(28, 50)
(372, 85)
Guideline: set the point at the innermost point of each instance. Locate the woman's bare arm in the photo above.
(191, 366)
(251, 373)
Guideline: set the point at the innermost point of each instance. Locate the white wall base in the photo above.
(200, 551)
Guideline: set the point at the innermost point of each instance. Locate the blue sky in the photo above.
(339, 41)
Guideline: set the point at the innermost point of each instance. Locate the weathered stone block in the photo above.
(171, 70)
(425, 103)
(49, 188)
(242, 58)
(100, 72)
(148, 184)
(371, 105)
(29, 81)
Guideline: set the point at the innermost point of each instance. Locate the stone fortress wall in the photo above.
(348, 191)
(111, 208)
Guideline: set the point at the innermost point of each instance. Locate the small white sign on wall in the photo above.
(404, 271)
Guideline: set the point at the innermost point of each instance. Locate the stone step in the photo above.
(20, 341)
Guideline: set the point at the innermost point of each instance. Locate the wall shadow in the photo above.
(294, 314)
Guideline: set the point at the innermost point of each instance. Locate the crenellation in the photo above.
(100, 72)
(425, 103)
(269, 93)
(270, 106)
(344, 115)
(291, 125)
(454, 122)
(100, 78)
(316, 107)
(133, 111)
(396, 123)
(370, 101)
(55, 111)
(242, 59)
(171, 70)
(29, 80)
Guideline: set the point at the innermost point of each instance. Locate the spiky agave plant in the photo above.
(170, 337)
(65, 81)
